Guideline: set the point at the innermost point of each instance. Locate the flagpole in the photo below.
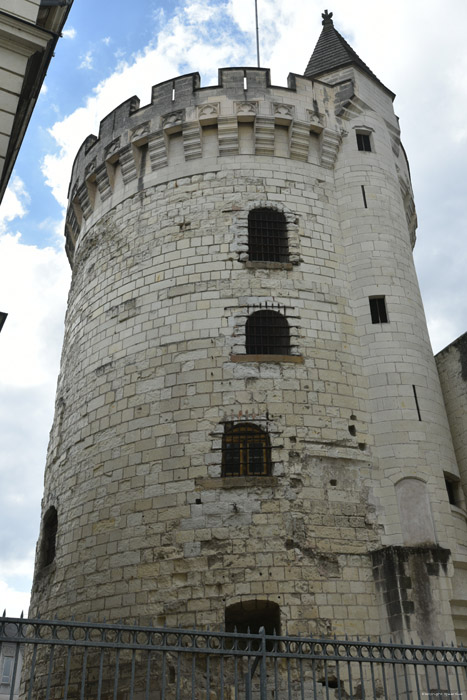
(257, 31)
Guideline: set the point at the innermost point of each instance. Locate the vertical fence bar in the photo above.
(236, 676)
(15, 670)
(313, 673)
(117, 668)
(415, 668)
(133, 669)
(394, 673)
(179, 661)
(362, 680)
(101, 668)
(406, 681)
(222, 676)
(31, 675)
(263, 667)
(193, 671)
(49, 674)
(438, 689)
(148, 676)
(83, 673)
(67, 673)
(349, 671)
(302, 688)
(276, 678)
(164, 661)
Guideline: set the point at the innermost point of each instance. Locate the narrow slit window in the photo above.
(267, 236)
(364, 197)
(378, 310)
(416, 401)
(246, 450)
(267, 333)
(363, 142)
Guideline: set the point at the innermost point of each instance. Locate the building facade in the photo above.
(249, 426)
(29, 31)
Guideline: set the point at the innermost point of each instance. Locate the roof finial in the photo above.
(327, 19)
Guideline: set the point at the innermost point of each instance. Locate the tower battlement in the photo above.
(243, 115)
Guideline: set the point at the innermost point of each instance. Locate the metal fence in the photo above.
(87, 661)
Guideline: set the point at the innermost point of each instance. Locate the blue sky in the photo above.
(113, 49)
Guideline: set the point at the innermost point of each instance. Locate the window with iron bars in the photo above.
(246, 450)
(267, 236)
(267, 333)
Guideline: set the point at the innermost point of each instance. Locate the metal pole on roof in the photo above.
(257, 31)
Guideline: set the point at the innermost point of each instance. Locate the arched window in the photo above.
(49, 536)
(267, 236)
(267, 333)
(249, 616)
(246, 450)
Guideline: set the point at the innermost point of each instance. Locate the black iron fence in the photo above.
(87, 661)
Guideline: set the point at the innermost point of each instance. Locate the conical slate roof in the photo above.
(333, 52)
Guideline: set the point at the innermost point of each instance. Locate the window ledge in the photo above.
(297, 359)
(236, 482)
(265, 265)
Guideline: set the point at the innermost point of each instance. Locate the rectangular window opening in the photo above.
(363, 142)
(453, 490)
(378, 310)
(7, 669)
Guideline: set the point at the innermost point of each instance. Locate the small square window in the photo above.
(453, 488)
(363, 142)
(378, 310)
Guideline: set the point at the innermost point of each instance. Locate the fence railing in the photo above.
(88, 661)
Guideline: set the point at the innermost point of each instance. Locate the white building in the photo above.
(29, 31)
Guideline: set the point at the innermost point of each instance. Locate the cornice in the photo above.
(22, 37)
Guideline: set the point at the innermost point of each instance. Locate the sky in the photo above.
(113, 49)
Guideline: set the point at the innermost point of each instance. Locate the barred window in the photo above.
(246, 450)
(49, 536)
(267, 333)
(267, 236)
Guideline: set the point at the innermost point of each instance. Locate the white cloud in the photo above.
(69, 33)
(33, 288)
(106, 40)
(14, 202)
(14, 602)
(87, 61)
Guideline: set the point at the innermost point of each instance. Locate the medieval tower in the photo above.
(249, 425)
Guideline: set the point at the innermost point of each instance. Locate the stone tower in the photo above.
(249, 425)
